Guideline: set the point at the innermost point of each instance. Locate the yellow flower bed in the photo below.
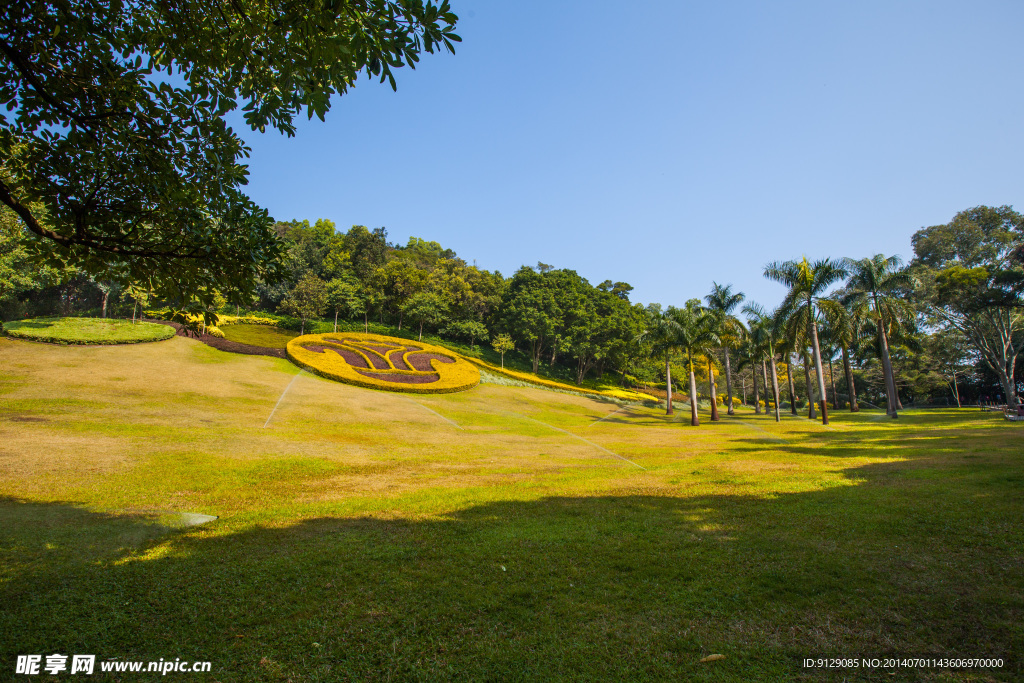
(378, 362)
(245, 320)
(534, 379)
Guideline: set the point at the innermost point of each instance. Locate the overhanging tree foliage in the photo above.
(114, 149)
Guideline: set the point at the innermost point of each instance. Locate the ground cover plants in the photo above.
(500, 533)
(378, 362)
(87, 331)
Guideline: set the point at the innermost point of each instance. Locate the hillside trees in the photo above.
(115, 147)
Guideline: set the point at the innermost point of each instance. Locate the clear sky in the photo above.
(668, 144)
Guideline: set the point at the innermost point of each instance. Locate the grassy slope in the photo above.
(87, 331)
(362, 536)
(258, 335)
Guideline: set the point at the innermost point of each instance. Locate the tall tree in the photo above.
(307, 300)
(697, 334)
(880, 286)
(116, 122)
(724, 302)
(808, 283)
(663, 334)
(765, 330)
(963, 267)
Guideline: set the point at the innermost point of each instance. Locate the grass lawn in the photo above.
(259, 335)
(502, 533)
(87, 331)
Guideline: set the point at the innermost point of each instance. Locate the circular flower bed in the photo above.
(378, 362)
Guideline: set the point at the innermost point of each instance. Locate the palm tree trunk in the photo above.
(832, 379)
(694, 420)
(668, 386)
(792, 389)
(744, 391)
(764, 376)
(728, 382)
(821, 374)
(851, 389)
(811, 412)
(757, 399)
(775, 389)
(714, 391)
(890, 382)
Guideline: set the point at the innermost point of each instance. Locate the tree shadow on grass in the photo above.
(636, 587)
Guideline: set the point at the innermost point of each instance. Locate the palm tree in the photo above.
(765, 329)
(748, 354)
(663, 333)
(878, 286)
(844, 327)
(698, 334)
(723, 301)
(807, 284)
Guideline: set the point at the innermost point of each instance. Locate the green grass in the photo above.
(87, 331)
(363, 537)
(258, 335)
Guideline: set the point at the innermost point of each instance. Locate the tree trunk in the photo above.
(775, 388)
(135, 310)
(956, 391)
(792, 387)
(502, 360)
(554, 355)
(421, 330)
(821, 373)
(832, 378)
(811, 412)
(535, 356)
(366, 321)
(302, 327)
(728, 382)
(335, 320)
(401, 315)
(714, 392)
(851, 388)
(764, 376)
(757, 399)
(106, 295)
(890, 381)
(668, 386)
(694, 419)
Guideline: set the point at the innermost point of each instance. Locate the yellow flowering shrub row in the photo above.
(457, 376)
(534, 379)
(245, 320)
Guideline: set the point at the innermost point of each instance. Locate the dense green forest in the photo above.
(943, 329)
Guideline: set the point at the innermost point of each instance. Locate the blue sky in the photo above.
(669, 144)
